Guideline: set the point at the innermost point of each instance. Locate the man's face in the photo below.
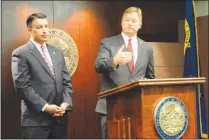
(131, 23)
(39, 30)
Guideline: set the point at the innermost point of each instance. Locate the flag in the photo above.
(192, 66)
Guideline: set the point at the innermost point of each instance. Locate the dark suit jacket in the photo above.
(114, 76)
(36, 86)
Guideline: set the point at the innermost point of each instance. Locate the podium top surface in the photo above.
(153, 82)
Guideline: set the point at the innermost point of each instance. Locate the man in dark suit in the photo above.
(41, 79)
(123, 59)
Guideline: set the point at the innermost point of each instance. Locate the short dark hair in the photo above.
(34, 16)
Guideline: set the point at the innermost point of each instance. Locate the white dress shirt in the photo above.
(134, 44)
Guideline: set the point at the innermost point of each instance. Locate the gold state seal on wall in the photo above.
(64, 41)
(171, 118)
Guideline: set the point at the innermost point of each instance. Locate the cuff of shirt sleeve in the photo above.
(44, 107)
(65, 104)
(69, 108)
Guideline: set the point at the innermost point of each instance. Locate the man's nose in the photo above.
(44, 30)
(130, 23)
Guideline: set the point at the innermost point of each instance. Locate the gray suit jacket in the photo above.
(36, 86)
(114, 76)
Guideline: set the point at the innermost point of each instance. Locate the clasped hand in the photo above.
(55, 110)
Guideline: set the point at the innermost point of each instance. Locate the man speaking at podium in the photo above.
(123, 59)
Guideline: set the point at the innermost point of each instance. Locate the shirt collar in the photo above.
(37, 44)
(127, 37)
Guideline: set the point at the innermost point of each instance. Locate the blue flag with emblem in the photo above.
(192, 66)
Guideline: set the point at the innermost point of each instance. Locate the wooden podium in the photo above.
(131, 107)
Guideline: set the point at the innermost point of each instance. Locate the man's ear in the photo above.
(29, 30)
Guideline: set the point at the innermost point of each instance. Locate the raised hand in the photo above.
(122, 57)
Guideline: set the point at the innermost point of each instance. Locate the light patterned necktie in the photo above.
(130, 49)
(47, 61)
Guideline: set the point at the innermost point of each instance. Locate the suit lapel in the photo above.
(34, 51)
(139, 53)
(122, 42)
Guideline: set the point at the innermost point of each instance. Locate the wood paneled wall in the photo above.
(87, 22)
(168, 59)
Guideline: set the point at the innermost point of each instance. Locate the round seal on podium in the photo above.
(171, 118)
